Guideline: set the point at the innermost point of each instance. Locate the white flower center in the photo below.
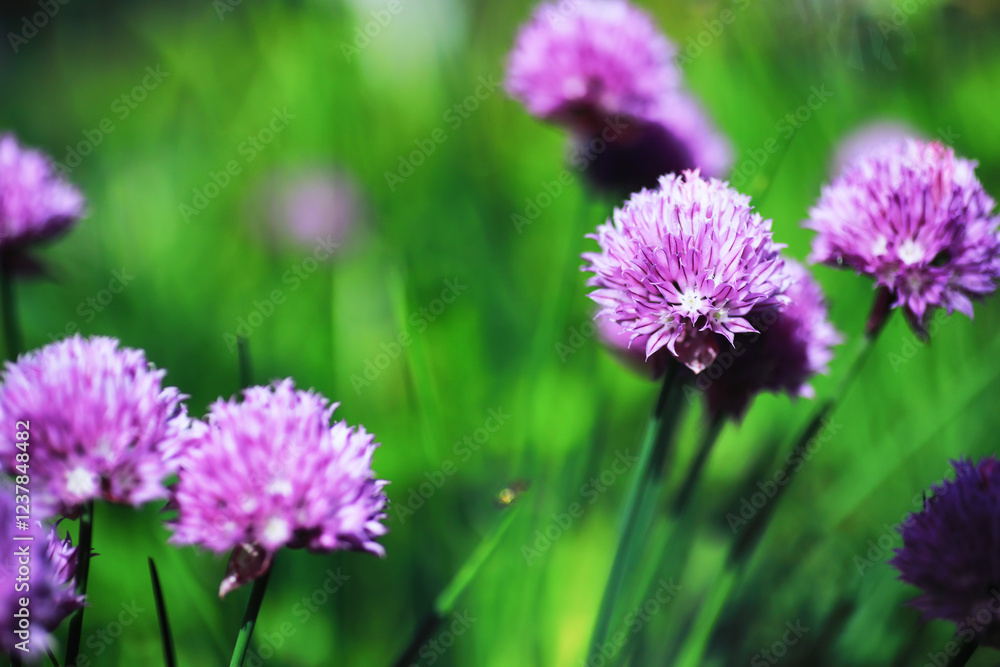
(720, 315)
(880, 246)
(691, 301)
(276, 530)
(81, 482)
(667, 319)
(281, 487)
(910, 252)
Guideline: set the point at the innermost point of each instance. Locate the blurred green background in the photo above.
(514, 340)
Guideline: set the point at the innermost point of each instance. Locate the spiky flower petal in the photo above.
(590, 57)
(36, 203)
(101, 424)
(684, 263)
(269, 472)
(950, 550)
(914, 217)
(48, 587)
(795, 343)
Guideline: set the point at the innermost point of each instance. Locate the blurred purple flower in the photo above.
(684, 262)
(49, 586)
(915, 218)
(676, 136)
(795, 342)
(271, 472)
(590, 58)
(36, 203)
(101, 424)
(310, 203)
(868, 137)
(950, 551)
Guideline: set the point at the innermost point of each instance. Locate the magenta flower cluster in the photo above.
(36, 203)
(596, 57)
(915, 218)
(685, 264)
(602, 69)
(50, 564)
(102, 424)
(271, 471)
(950, 551)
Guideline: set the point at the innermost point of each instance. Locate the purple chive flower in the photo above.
(52, 565)
(583, 60)
(631, 153)
(271, 472)
(101, 424)
(36, 203)
(950, 550)
(868, 137)
(795, 342)
(305, 204)
(630, 352)
(915, 218)
(684, 264)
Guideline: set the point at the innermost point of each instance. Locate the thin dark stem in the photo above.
(964, 655)
(424, 632)
(11, 327)
(250, 618)
(246, 366)
(881, 308)
(52, 656)
(166, 637)
(642, 493)
(83, 550)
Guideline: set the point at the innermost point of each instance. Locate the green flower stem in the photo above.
(445, 600)
(744, 545)
(708, 441)
(83, 549)
(642, 495)
(250, 618)
(11, 326)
